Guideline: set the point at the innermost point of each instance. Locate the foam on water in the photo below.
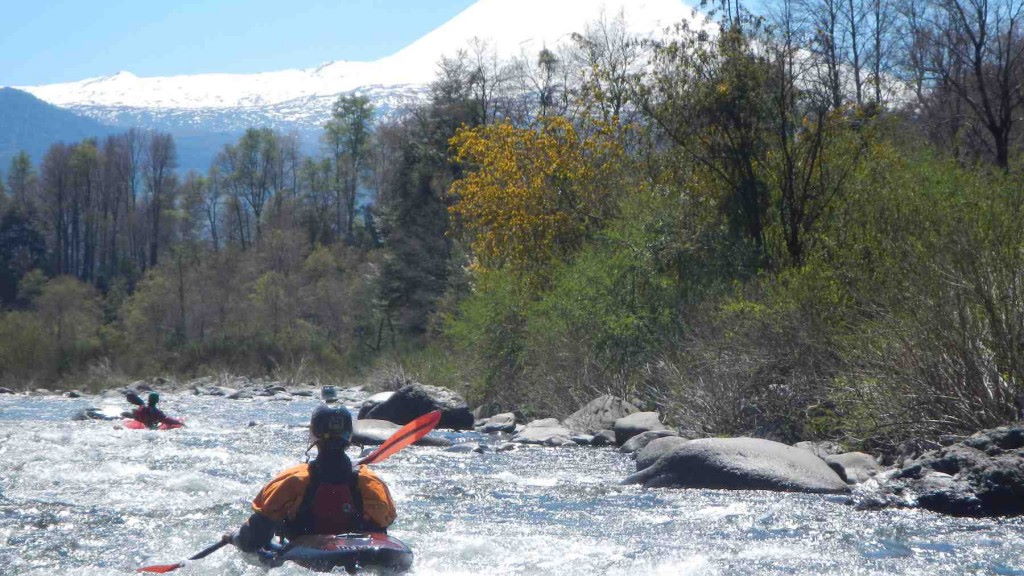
(86, 498)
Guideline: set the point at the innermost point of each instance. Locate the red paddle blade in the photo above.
(404, 436)
(161, 568)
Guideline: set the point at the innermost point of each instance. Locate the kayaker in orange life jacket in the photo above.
(325, 496)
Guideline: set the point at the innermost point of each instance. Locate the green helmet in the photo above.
(153, 398)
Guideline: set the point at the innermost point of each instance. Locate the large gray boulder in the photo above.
(739, 464)
(414, 400)
(371, 402)
(981, 476)
(373, 432)
(545, 432)
(854, 467)
(637, 423)
(599, 414)
(640, 441)
(655, 449)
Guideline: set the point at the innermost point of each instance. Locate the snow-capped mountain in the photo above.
(302, 98)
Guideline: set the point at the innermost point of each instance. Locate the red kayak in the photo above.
(169, 424)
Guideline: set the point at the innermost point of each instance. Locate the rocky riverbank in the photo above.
(980, 476)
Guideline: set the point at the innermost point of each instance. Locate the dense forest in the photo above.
(805, 223)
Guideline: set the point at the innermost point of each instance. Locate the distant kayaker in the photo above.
(148, 413)
(325, 496)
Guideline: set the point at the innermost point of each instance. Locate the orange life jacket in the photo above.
(328, 507)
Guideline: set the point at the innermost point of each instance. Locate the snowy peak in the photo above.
(511, 28)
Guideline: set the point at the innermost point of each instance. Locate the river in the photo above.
(85, 498)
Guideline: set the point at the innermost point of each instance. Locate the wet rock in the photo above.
(638, 442)
(506, 447)
(505, 422)
(636, 423)
(414, 400)
(72, 394)
(545, 432)
(981, 476)
(603, 438)
(854, 467)
(739, 464)
(6, 390)
(820, 449)
(374, 401)
(373, 432)
(92, 414)
(599, 414)
(240, 395)
(655, 449)
(582, 439)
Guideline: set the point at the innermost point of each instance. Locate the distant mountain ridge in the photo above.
(31, 125)
(205, 111)
(301, 98)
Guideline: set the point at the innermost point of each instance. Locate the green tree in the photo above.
(347, 138)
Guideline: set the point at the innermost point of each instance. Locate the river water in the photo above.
(86, 498)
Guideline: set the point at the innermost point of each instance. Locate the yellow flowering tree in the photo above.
(531, 196)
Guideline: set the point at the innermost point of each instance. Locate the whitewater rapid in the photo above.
(85, 498)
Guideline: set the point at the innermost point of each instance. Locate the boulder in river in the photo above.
(372, 402)
(92, 414)
(240, 395)
(72, 394)
(981, 476)
(505, 422)
(636, 423)
(373, 432)
(414, 400)
(463, 447)
(655, 449)
(582, 439)
(603, 438)
(854, 467)
(638, 442)
(599, 414)
(6, 390)
(545, 432)
(739, 464)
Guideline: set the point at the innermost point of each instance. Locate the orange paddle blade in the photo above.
(161, 568)
(404, 436)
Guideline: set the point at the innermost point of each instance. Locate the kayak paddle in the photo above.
(163, 568)
(402, 437)
(134, 399)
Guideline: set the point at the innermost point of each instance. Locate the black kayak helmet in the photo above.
(331, 425)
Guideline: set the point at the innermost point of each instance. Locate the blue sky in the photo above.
(44, 41)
